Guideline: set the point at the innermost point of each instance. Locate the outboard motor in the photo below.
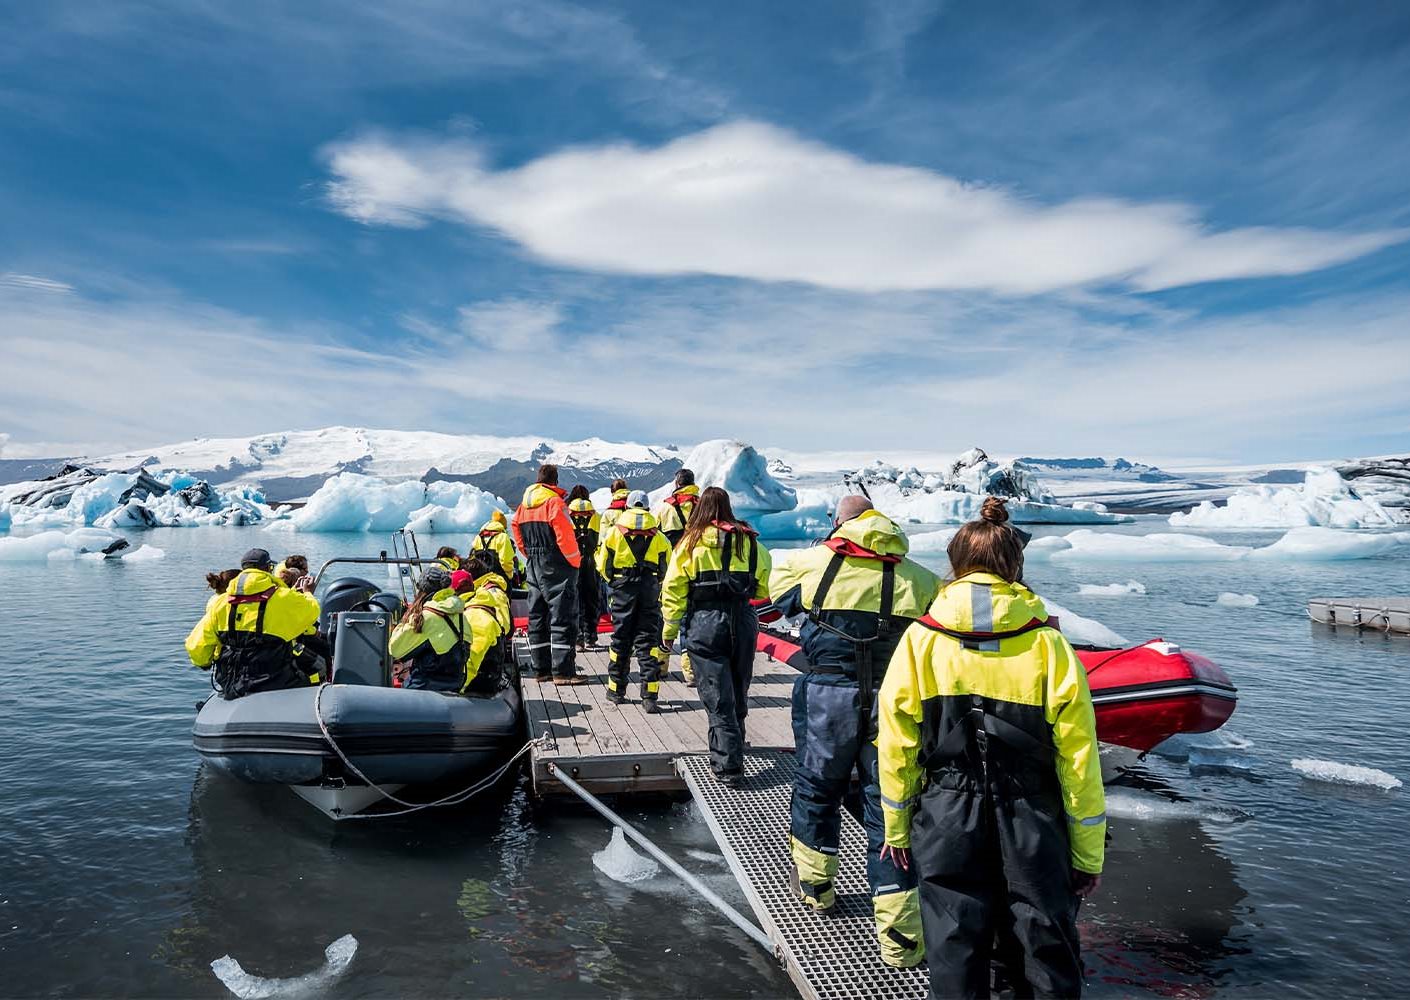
(346, 594)
(360, 654)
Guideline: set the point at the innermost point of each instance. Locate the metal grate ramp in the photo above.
(827, 956)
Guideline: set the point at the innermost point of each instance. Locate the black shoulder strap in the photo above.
(825, 584)
(888, 597)
(726, 551)
(753, 560)
(259, 618)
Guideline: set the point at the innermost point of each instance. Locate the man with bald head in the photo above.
(859, 592)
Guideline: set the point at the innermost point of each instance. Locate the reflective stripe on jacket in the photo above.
(288, 614)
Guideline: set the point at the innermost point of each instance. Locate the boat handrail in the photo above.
(378, 560)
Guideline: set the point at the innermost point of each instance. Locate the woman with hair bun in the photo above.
(990, 778)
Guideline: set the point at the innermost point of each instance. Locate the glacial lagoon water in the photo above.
(126, 868)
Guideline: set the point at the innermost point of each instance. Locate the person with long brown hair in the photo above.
(991, 781)
(432, 636)
(715, 571)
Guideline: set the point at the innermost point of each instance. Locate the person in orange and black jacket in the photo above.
(544, 534)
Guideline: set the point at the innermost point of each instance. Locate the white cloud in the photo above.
(749, 200)
(511, 324)
(11, 279)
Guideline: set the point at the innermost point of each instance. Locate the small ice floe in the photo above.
(1181, 746)
(337, 957)
(1111, 589)
(699, 855)
(621, 863)
(57, 546)
(146, 553)
(1229, 599)
(1148, 807)
(1083, 631)
(1345, 774)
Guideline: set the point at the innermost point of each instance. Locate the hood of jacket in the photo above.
(541, 493)
(253, 581)
(985, 603)
(636, 519)
(582, 507)
(875, 532)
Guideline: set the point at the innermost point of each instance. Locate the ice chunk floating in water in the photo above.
(1148, 807)
(618, 860)
(1083, 631)
(338, 956)
(1232, 600)
(1111, 589)
(1345, 774)
(1324, 498)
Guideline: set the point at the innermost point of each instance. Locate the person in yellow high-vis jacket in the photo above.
(990, 774)
(632, 559)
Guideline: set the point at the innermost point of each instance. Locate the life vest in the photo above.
(252, 660)
(442, 671)
(727, 585)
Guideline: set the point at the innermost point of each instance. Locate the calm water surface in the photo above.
(125, 867)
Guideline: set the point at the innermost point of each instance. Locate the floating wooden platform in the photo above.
(616, 749)
(1384, 614)
(828, 957)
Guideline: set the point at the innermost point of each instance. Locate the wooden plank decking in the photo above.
(611, 748)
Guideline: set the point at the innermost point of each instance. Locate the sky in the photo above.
(1042, 228)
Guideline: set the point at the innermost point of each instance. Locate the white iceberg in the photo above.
(336, 959)
(1081, 631)
(742, 472)
(620, 862)
(1229, 599)
(351, 501)
(933, 541)
(144, 553)
(57, 545)
(812, 518)
(1103, 546)
(1334, 773)
(1324, 499)
(1318, 544)
(1111, 589)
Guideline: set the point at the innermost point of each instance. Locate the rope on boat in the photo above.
(709, 895)
(455, 799)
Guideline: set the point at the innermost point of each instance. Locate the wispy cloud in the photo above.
(11, 279)
(752, 201)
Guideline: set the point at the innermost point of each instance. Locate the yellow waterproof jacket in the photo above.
(492, 591)
(494, 538)
(634, 530)
(676, 509)
(288, 614)
(443, 619)
(615, 507)
(945, 668)
(690, 573)
(484, 629)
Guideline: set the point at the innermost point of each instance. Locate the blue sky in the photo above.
(1078, 228)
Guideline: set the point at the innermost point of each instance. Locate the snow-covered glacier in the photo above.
(1323, 499)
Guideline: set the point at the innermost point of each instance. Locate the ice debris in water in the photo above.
(337, 957)
(1299, 544)
(1229, 599)
(1180, 746)
(1145, 806)
(1111, 589)
(1083, 631)
(1324, 498)
(699, 855)
(62, 545)
(620, 862)
(1345, 774)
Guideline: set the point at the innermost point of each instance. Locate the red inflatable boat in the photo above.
(1142, 695)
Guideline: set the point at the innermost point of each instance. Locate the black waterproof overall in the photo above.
(589, 584)
(634, 600)
(720, 636)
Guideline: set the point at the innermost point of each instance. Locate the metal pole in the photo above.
(734, 916)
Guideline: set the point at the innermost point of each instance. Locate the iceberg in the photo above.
(1111, 589)
(1083, 631)
(82, 496)
(1319, 544)
(1232, 600)
(1324, 499)
(55, 545)
(741, 471)
(812, 518)
(1102, 546)
(336, 959)
(1331, 772)
(351, 501)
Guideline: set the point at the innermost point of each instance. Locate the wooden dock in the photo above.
(617, 749)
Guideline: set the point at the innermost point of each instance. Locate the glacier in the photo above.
(1323, 499)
